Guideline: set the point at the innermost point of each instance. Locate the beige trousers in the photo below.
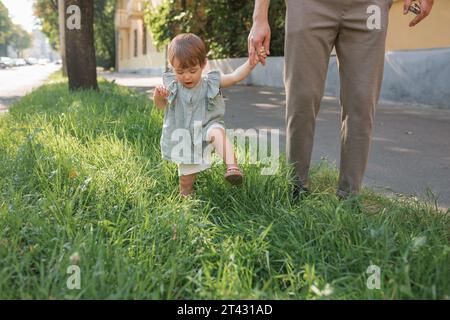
(357, 29)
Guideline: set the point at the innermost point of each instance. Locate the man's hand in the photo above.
(160, 96)
(425, 8)
(259, 42)
(259, 37)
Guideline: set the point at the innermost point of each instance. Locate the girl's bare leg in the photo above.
(223, 147)
(187, 184)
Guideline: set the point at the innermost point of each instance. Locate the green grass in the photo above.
(82, 174)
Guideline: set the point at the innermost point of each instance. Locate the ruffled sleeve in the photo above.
(216, 104)
(213, 80)
(168, 78)
(169, 81)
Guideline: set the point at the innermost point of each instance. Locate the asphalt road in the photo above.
(410, 151)
(18, 81)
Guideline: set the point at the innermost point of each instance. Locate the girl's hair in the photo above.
(188, 49)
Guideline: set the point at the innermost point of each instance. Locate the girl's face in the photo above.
(189, 77)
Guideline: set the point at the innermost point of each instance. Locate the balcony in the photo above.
(135, 9)
(121, 19)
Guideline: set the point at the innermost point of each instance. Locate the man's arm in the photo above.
(260, 34)
(261, 10)
(425, 9)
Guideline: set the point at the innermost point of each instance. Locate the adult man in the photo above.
(313, 28)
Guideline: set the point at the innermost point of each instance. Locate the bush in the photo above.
(223, 24)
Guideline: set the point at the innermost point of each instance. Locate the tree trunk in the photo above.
(80, 50)
(62, 40)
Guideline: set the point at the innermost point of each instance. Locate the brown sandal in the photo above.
(234, 176)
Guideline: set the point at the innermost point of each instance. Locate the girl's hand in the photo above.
(161, 92)
(228, 80)
(261, 56)
(160, 96)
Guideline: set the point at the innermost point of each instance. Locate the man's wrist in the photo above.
(260, 18)
(261, 12)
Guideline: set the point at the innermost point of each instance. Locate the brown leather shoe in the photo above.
(300, 192)
(234, 176)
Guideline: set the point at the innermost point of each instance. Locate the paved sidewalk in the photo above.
(410, 149)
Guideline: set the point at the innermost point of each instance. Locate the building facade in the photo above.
(135, 50)
(432, 32)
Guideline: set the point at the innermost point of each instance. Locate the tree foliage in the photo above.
(6, 24)
(11, 34)
(104, 33)
(223, 24)
(19, 39)
(47, 13)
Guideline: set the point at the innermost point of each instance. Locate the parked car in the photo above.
(43, 61)
(31, 61)
(8, 62)
(20, 62)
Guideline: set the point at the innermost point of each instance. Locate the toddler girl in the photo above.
(194, 111)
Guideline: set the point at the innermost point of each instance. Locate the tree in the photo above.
(62, 36)
(47, 13)
(224, 25)
(176, 16)
(19, 39)
(5, 28)
(104, 31)
(80, 50)
(104, 39)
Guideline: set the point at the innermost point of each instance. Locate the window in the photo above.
(144, 40)
(135, 42)
(121, 48)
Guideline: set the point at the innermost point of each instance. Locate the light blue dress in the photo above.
(188, 116)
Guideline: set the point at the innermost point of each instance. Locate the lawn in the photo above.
(82, 182)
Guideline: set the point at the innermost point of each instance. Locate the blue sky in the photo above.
(21, 12)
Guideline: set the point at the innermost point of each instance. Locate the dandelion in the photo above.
(74, 258)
